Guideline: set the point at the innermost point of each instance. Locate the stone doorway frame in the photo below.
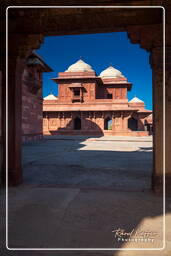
(137, 34)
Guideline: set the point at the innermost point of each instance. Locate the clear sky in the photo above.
(100, 51)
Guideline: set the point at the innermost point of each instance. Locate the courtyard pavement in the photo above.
(111, 162)
(82, 211)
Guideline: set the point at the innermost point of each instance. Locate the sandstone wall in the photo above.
(32, 115)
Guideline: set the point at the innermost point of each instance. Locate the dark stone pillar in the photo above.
(157, 64)
(168, 119)
(15, 69)
(158, 83)
(3, 120)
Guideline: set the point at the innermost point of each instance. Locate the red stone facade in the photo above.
(88, 104)
(32, 116)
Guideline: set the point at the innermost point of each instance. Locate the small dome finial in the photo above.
(111, 72)
(79, 66)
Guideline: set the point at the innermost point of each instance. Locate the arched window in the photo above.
(108, 124)
(132, 124)
(77, 123)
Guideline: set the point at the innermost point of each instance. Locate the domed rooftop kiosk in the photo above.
(50, 97)
(111, 72)
(80, 69)
(112, 75)
(136, 100)
(80, 66)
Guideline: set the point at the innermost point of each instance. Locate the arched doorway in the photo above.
(108, 124)
(132, 124)
(135, 37)
(77, 123)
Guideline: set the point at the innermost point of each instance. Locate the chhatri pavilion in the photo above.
(88, 104)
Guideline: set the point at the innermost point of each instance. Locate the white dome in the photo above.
(79, 66)
(111, 72)
(50, 97)
(136, 100)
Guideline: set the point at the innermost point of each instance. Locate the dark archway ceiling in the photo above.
(26, 24)
(62, 21)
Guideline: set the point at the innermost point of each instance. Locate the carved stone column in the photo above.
(157, 68)
(19, 47)
(125, 121)
(118, 122)
(150, 37)
(157, 65)
(3, 117)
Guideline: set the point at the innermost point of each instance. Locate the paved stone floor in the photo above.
(80, 215)
(82, 218)
(112, 162)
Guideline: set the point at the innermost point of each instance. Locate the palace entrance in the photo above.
(133, 124)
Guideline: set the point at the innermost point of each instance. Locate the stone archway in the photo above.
(108, 123)
(144, 26)
(77, 123)
(132, 124)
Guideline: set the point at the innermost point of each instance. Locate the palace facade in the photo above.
(88, 104)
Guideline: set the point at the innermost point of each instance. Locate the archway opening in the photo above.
(108, 123)
(77, 123)
(132, 124)
(94, 116)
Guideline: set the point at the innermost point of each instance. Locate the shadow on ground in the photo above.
(88, 162)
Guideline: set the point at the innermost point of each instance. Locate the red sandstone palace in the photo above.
(88, 104)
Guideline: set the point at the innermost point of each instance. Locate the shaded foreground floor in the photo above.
(112, 162)
(81, 218)
(104, 189)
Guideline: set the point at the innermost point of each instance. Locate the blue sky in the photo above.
(99, 50)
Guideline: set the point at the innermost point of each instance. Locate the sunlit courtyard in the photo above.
(100, 162)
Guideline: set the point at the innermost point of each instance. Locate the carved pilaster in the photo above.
(125, 122)
(147, 37)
